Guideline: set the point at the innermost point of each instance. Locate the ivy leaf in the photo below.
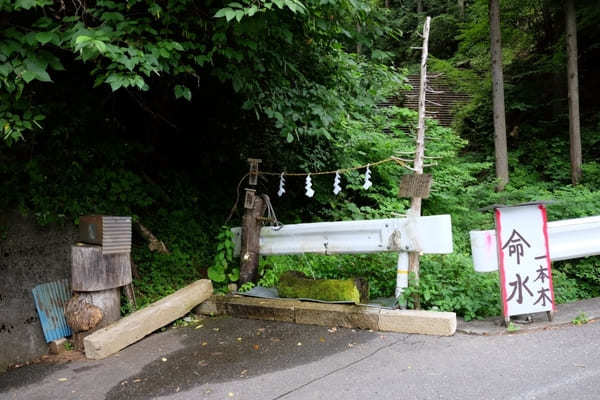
(221, 13)
(27, 76)
(216, 274)
(26, 4)
(182, 91)
(38, 68)
(234, 275)
(46, 37)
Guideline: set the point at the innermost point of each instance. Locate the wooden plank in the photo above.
(134, 327)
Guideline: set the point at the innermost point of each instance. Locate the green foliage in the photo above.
(511, 328)
(223, 270)
(580, 319)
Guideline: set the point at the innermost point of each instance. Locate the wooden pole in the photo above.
(251, 239)
(415, 204)
(254, 209)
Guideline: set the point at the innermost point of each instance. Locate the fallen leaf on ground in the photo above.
(274, 339)
(199, 326)
(177, 390)
(204, 343)
(332, 330)
(164, 359)
(62, 379)
(230, 394)
(137, 380)
(239, 339)
(256, 347)
(322, 340)
(216, 329)
(299, 344)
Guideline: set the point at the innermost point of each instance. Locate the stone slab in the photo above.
(339, 315)
(418, 321)
(135, 326)
(342, 315)
(259, 308)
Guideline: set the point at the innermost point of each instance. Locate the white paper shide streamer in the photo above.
(308, 187)
(368, 182)
(336, 184)
(281, 185)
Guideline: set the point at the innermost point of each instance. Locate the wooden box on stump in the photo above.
(98, 273)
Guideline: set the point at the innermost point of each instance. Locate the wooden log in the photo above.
(294, 284)
(109, 301)
(87, 312)
(82, 316)
(111, 339)
(93, 271)
(154, 244)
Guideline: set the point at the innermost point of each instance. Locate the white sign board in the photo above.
(524, 260)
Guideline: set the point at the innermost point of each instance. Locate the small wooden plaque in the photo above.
(250, 198)
(415, 185)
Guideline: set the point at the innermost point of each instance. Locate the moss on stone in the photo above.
(294, 284)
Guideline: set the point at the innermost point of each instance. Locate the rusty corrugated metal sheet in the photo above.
(116, 235)
(112, 233)
(50, 301)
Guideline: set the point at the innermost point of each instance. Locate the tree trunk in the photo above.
(573, 90)
(358, 45)
(251, 240)
(419, 6)
(415, 204)
(498, 96)
(461, 9)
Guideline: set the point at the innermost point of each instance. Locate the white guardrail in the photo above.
(427, 235)
(567, 239)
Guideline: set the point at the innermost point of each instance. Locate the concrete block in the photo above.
(258, 308)
(342, 315)
(212, 306)
(418, 321)
(134, 327)
(57, 346)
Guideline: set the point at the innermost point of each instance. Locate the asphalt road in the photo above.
(230, 358)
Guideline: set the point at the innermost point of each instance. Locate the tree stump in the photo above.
(96, 281)
(93, 271)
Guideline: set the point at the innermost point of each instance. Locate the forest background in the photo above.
(151, 108)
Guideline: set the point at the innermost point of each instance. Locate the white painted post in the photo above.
(401, 275)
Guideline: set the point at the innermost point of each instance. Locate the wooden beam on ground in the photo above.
(134, 327)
